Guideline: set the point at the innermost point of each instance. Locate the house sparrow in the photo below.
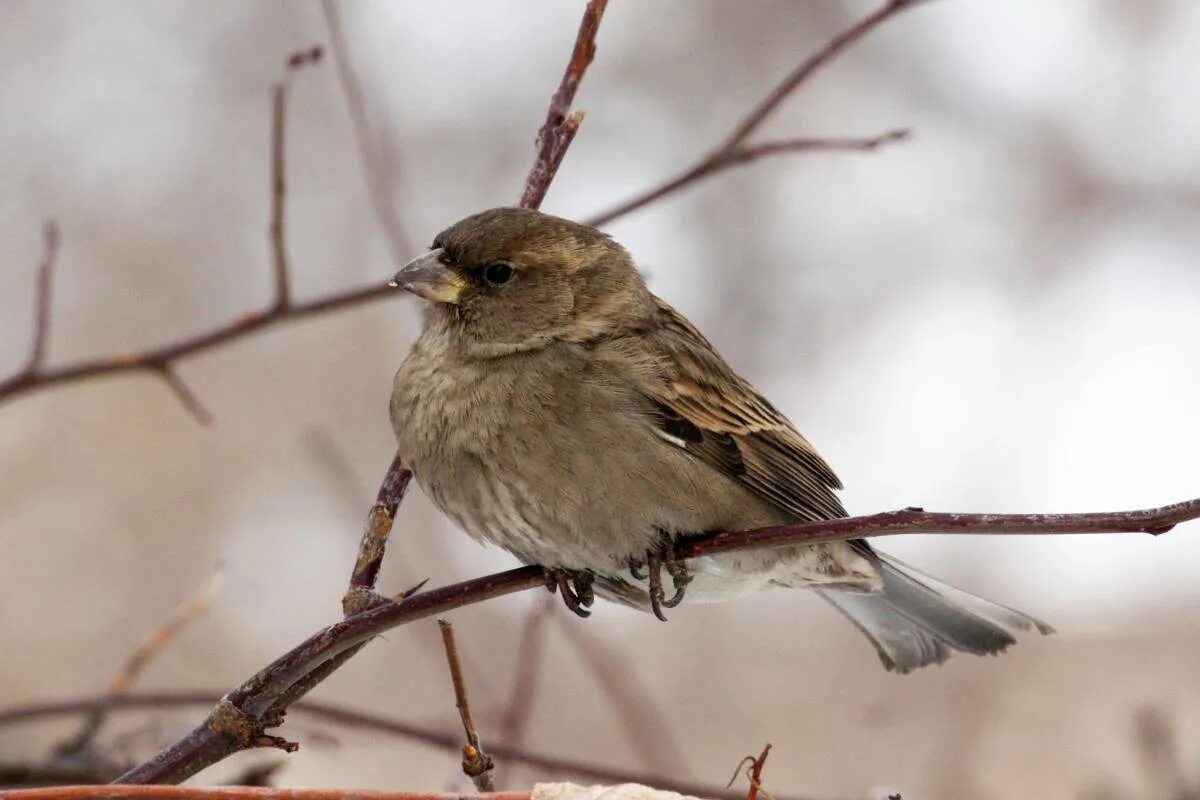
(555, 407)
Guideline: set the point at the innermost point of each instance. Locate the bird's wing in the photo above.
(702, 406)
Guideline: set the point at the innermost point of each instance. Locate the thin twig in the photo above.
(561, 125)
(734, 150)
(238, 723)
(376, 149)
(805, 70)
(546, 765)
(476, 763)
(361, 592)
(755, 775)
(187, 612)
(41, 303)
(745, 154)
(187, 398)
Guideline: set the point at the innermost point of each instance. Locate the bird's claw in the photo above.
(655, 561)
(575, 587)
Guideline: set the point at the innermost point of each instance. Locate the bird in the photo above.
(554, 406)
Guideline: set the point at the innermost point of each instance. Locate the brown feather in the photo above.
(717, 416)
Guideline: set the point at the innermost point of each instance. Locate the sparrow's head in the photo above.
(513, 279)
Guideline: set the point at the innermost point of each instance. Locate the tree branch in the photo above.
(256, 704)
(734, 150)
(376, 148)
(236, 793)
(161, 361)
(551, 149)
(476, 763)
(41, 303)
(744, 154)
(561, 125)
(546, 764)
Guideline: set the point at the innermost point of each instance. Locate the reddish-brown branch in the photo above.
(258, 702)
(561, 125)
(755, 774)
(372, 547)
(375, 142)
(275, 229)
(735, 151)
(744, 154)
(546, 765)
(112, 792)
(476, 763)
(41, 303)
(805, 70)
(150, 360)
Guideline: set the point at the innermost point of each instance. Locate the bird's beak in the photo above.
(429, 277)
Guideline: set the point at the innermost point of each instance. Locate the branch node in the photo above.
(230, 722)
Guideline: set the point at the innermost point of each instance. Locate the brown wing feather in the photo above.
(704, 407)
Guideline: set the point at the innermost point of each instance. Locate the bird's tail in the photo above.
(917, 620)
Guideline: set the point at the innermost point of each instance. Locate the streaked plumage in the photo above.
(555, 407)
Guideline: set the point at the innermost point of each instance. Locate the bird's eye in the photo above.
(497, 274)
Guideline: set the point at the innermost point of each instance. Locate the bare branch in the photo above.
(187, 612)
(191, 403)
(797, 77)
(151, 359)
(744, 154)
(546, 765)
(261, 700)
(734, 150)
(476, 764)
(235, 793)
(41, 303)
(376, 151)
(279, 92)
(361, 592)
(561, 123)
(279, 261)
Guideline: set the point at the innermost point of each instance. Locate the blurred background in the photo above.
(1002, 314)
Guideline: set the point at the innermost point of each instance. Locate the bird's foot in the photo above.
(575, 587)
(652, 568)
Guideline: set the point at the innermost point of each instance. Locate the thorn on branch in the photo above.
(277, 742)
